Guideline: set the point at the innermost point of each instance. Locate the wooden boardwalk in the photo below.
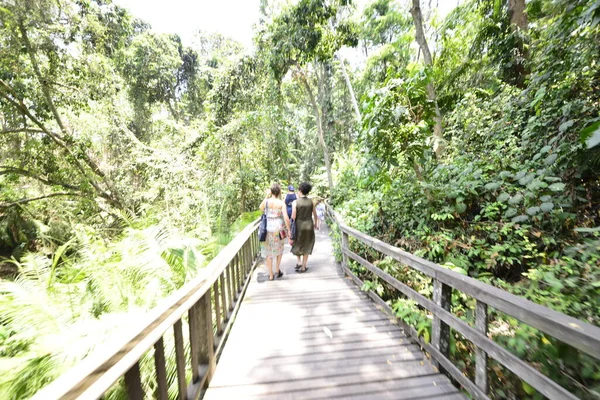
(315, 335)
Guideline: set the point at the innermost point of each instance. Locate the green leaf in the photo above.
(548, 206)
(546, 198)
(503, 197)
(493, 185)
(511, 212)
(591, 135)
(505, 174)
(557, 187)
(526, 180)
(566, 125)
(533, 210)
(552, 178)
(516, 199)
(588, 230)
(461, 208)
(520, 175)
(545, 149)
(550, 159)
(520, 218)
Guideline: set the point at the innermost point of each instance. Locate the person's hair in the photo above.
(305, 188)
(275, 190)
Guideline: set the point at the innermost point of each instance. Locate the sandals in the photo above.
(271, 278)
(303, 270)
(298, 267)
(279, 274)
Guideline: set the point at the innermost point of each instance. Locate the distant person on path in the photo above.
(278, 228)
(303, 212)
(320, 214)
(289, 199)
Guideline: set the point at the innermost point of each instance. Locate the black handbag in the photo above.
(262, 227)
(293, 230)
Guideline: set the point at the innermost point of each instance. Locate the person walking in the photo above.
(278, 228)
(289, 199)
(303, 212)
(320, 214)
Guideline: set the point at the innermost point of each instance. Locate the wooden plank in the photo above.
(180, 359)
(481, 362)
(576, 333)
(133, 382)
(306, 336)
(230, 285)
(224, 306)
(345, 245)
(440, 331)
(195, 341)
(231, 319)
(406, 388)
(217, 302)
(161, 371)
(206, 350)
(529, 374)
(448, 366)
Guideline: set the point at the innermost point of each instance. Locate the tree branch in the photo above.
(21, 130)
(4, 170)
(40, 78)
(29, 200)
(11, 96)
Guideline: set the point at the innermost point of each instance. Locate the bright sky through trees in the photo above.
(232, 18)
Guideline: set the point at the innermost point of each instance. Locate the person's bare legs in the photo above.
(304, 261)
(277, 271)
(270, 267)
(298, 263)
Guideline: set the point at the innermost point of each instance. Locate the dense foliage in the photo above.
(128, 158)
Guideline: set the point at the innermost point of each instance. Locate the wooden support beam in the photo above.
(481, 359)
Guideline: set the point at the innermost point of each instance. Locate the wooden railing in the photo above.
(574, 332)
(210, 302)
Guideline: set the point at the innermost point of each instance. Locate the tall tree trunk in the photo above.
(350, 88)
(516, 11)
(518, 22)
(438, 135)
(319, 123)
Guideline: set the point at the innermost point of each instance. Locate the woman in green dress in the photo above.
(303, 212)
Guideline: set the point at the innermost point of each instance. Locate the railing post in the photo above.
(195, 339)
(161, 370)
(206, 349)
(481, 324)
(345, 246)
(180, 360)
(442, 295)
(246, 260)
(217, 300)
(239, 263)
(234, 276)
(223, 286)
(230, 284)
(133, 382)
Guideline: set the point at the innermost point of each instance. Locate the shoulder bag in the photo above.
(262, 227)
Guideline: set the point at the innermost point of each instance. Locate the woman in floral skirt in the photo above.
(278, 228)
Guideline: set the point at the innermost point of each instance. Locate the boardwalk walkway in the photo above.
(315, 335)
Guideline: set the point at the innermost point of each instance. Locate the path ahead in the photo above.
(315, 335)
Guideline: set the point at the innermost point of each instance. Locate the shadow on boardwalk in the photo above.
(315, 335)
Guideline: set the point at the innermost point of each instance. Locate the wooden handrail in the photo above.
(210, 299)
(574, 332)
